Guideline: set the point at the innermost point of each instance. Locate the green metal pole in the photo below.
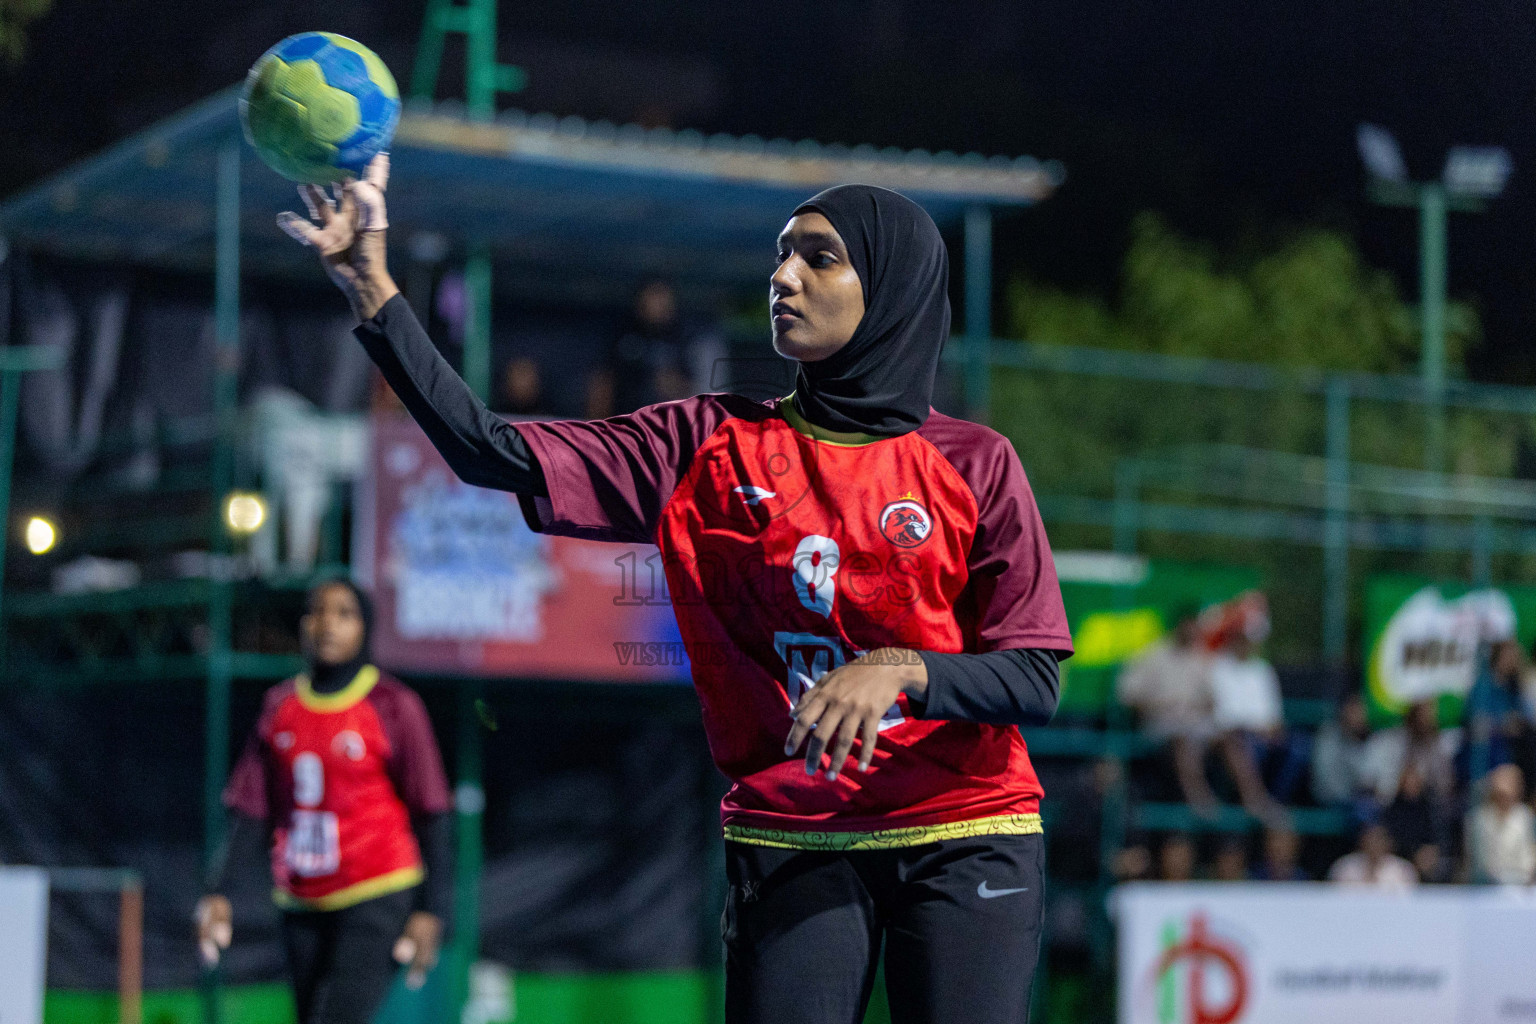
(1482, 554)
(978, 312)
(1336, 525)
(10, 398)
(226, 305)
(469, 808)
(429, 50)
(1432, 289)
(477, 327)
(480, 89)
(1126, 515)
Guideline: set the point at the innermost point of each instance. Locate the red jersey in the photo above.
(338, 776)
(787, 556)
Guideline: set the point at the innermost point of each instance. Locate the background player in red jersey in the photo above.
(878, 571)
(344, 774)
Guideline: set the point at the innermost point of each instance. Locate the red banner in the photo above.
(464, 587)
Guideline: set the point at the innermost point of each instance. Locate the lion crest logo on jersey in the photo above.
(905, 522)
(349, 744)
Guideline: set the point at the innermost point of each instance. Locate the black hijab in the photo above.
(330, 678)
(881, 382)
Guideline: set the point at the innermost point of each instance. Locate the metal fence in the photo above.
(1210, 460)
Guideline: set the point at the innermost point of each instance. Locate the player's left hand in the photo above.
(418, 945)
(347, 229)
(847, 704)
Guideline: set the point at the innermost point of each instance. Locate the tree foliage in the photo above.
(1309, 301)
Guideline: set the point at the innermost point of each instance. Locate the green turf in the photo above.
(651, 997)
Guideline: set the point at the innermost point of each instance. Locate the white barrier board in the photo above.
(1272, 953)
(23, 944)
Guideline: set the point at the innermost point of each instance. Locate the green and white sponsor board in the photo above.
(1117, 605)
(1425, 639)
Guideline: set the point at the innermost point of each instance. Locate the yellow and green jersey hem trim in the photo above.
(383, 885)
(361, 685)
(886, 838)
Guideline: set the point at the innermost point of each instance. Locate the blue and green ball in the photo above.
(318, 106)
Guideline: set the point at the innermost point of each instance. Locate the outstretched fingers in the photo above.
(299, 229)
(377, 173)
(320, 206)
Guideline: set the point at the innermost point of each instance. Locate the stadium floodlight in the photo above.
(1477, 171)
(41, 535)
(244, 512)
(1472, 176)
(1381, 153)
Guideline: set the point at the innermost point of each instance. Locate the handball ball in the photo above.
(318, 106)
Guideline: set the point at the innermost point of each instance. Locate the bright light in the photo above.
(245, 512)
(41, 535)
(1380, 152)
(1479, 171)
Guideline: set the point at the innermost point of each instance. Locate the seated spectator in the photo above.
(1249, 717)
(1501, 834)
(1132, 864)
(522, 388)
(1498, 729)
(653, 359)
(1416, 823)
(1338, 754)
(1177, 859)
(1169, 688)
(1418, 741)
(1374, 863)
(1282, 850)
(1231, 861)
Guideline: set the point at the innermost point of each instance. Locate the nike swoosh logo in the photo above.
(992, 894)
(752, 495)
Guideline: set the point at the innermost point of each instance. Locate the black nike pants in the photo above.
(960, 921)
(342, 961)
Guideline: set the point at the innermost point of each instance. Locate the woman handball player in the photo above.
(865, 591)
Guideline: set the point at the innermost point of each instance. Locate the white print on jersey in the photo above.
(815, 563)
(314, 843)
(308, 779)
(809, 657)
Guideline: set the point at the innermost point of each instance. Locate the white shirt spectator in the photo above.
(1246, 693)
(1389, 872)
(1502, 844)
(1390, 751)
(1170, 686)
(1338, 764)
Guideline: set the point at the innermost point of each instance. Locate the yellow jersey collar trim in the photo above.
(367, 677)
(804, 426)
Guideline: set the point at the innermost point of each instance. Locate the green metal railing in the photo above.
(1327, 460)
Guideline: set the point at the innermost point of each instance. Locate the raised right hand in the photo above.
(347, 230)
(215, 920)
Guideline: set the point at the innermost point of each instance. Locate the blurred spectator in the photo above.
(1282, 851)
(1338, 754)
(652, 360)
(1498, 729)
(522, 388)
(1132, 864)
(1416, 824)
(1177, 858)
(1418, 741)
(1374, 863)
(1169, 688)
(1231, 861)
(1251, 722)
(1501, 833)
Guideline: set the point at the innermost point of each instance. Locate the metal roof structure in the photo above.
(549, 196)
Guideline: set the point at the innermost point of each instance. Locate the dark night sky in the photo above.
(1227, 117)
